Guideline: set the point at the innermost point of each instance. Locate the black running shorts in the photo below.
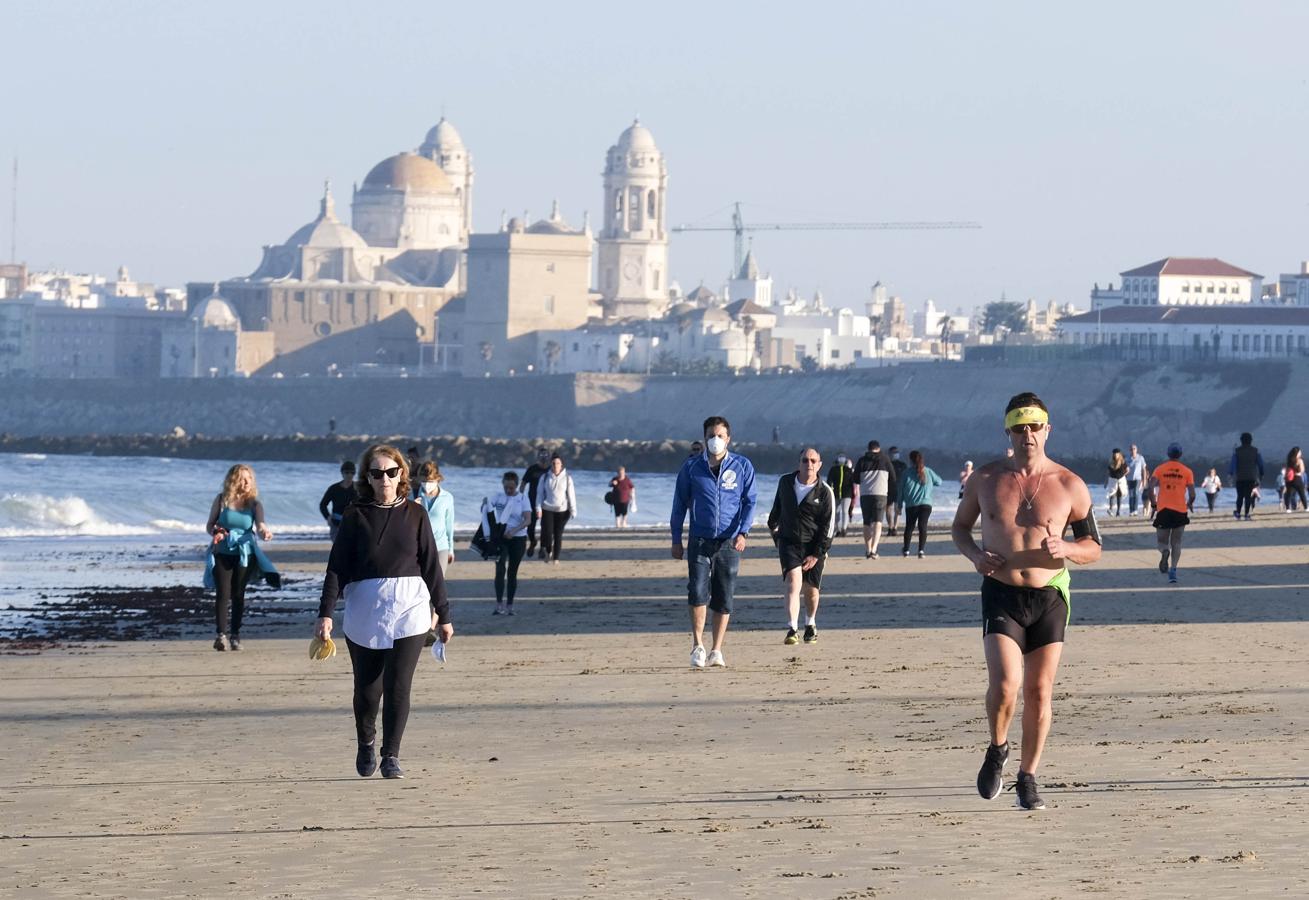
(1033, 617)
(873, 507)
(1171, 518)
(792, 556)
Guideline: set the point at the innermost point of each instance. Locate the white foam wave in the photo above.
(35, 515)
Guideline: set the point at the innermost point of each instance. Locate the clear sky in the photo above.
(179, 137)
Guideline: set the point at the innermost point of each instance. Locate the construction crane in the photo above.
(739, 228)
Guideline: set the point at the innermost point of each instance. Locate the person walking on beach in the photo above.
(802, 522)
(894, 502)
(1116, 486)
(531, 481)
(872, 481)
(513, 512)
(964, 475)
(1246, 470)
(1212, 484)
(842, 485)
(1173, 486)
(385, 563)
(624, 493)
(1025, 505)
(916, 486)
(440, 506)
(717, 490)
(556, 503)
(1293, 476)
(697, 448)
(413, 468)
(337, 498)
(235, 527)
(1136, 478)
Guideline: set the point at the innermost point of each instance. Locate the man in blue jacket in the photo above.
(717, 489)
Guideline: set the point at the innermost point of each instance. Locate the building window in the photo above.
(549, 305)
(1222, 289)
(1210, 287)
(574, 346)
(1299, 342)
(1186, 287)
(836, 354)
(299, 296)
(859, 354)
(1245, 343)
(1236, 343)
(654, 279)
(1278, 348)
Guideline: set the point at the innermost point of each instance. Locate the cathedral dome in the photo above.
(407, 171)
(636, 137)
(215, 312)
(443, 134)
(327, 230)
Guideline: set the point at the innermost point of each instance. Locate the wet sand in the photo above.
(570, 751)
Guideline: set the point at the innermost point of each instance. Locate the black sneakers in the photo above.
(791, 637)
(234, 642)
(365, 761)
(990, 778)
(391, 768)
(1028, 796)
(810, 634)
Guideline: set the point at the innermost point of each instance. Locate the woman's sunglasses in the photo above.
(393, 472)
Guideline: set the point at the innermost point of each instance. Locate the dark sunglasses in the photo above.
(393, 472)
(811, 461)
(1019, 429)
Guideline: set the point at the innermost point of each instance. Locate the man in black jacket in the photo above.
(531, 478)
(841, 479)
(801, 523)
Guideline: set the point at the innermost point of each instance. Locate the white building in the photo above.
(1182, 281)
(632, 249)
(750, 285)
(1220, 332)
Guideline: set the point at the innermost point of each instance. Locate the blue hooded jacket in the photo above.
(720, 507)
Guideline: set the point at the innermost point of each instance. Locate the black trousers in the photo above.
(383, 679)
(1244, 498)
(230, 578)
(916, 516)
(531, 533)
(1295, 488)
(506, 568)
(552, 532)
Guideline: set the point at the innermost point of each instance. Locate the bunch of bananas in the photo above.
(321, 649)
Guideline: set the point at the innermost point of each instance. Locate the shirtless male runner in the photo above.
(1026, 502)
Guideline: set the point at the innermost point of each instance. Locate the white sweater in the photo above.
(555, 493)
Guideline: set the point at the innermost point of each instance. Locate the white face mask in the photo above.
(430, 486)
(716, 445)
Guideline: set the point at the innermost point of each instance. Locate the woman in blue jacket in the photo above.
(916, 491)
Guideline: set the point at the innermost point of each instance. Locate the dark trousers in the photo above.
(383, 679)
(1210, 498)
(1244, 500)
(506, 568)
(229, 579)
(1294, 488)
(916, 516)
(552, 532)
(1131, 496)
(531, 532)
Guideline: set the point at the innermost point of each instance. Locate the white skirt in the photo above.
(380, 611)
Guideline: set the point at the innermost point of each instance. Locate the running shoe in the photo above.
(391, 768)
(1172, 576)
(810, 634)
(921, 554)
(716, 658)
(1028, 796)
(220, 642)
(365, 760)
(906, 552)
(698, 657)
(1163, 562)
(990, 778)
(499, 610)
(791, 637)
(509, 610)
(234, 642)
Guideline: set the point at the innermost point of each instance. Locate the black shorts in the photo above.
(620, 508)
(792, 556)
(873, 507)
(1033, 617)
(1171, 518)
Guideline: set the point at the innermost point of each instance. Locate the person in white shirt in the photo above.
(513, 510)
(556, 503)
(1212, 484)
(1136, 479)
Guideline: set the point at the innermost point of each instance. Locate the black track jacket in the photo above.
(808, 524)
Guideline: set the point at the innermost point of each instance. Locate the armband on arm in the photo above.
(1087, 527)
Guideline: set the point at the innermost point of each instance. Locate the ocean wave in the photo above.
(37, 515)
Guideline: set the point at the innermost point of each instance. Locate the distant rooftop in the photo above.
(1201, 267)
(1242, 314)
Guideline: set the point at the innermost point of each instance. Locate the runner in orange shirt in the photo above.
(1173, 487)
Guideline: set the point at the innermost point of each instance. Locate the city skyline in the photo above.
(178, 141)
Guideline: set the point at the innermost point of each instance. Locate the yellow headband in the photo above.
(1026, 415)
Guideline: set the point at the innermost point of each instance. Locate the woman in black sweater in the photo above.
(384, 561)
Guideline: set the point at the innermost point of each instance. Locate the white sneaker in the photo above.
(698, 657)
(716, 659)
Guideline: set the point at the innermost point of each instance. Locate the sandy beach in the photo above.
(571, 752)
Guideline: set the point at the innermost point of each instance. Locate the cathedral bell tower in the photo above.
(633, 244)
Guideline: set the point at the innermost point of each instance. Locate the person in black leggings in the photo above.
(916, 486)
(513, 510)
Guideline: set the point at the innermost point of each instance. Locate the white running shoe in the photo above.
(698, 657)
(716, 658)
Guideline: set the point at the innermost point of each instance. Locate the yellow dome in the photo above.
(408, 171)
